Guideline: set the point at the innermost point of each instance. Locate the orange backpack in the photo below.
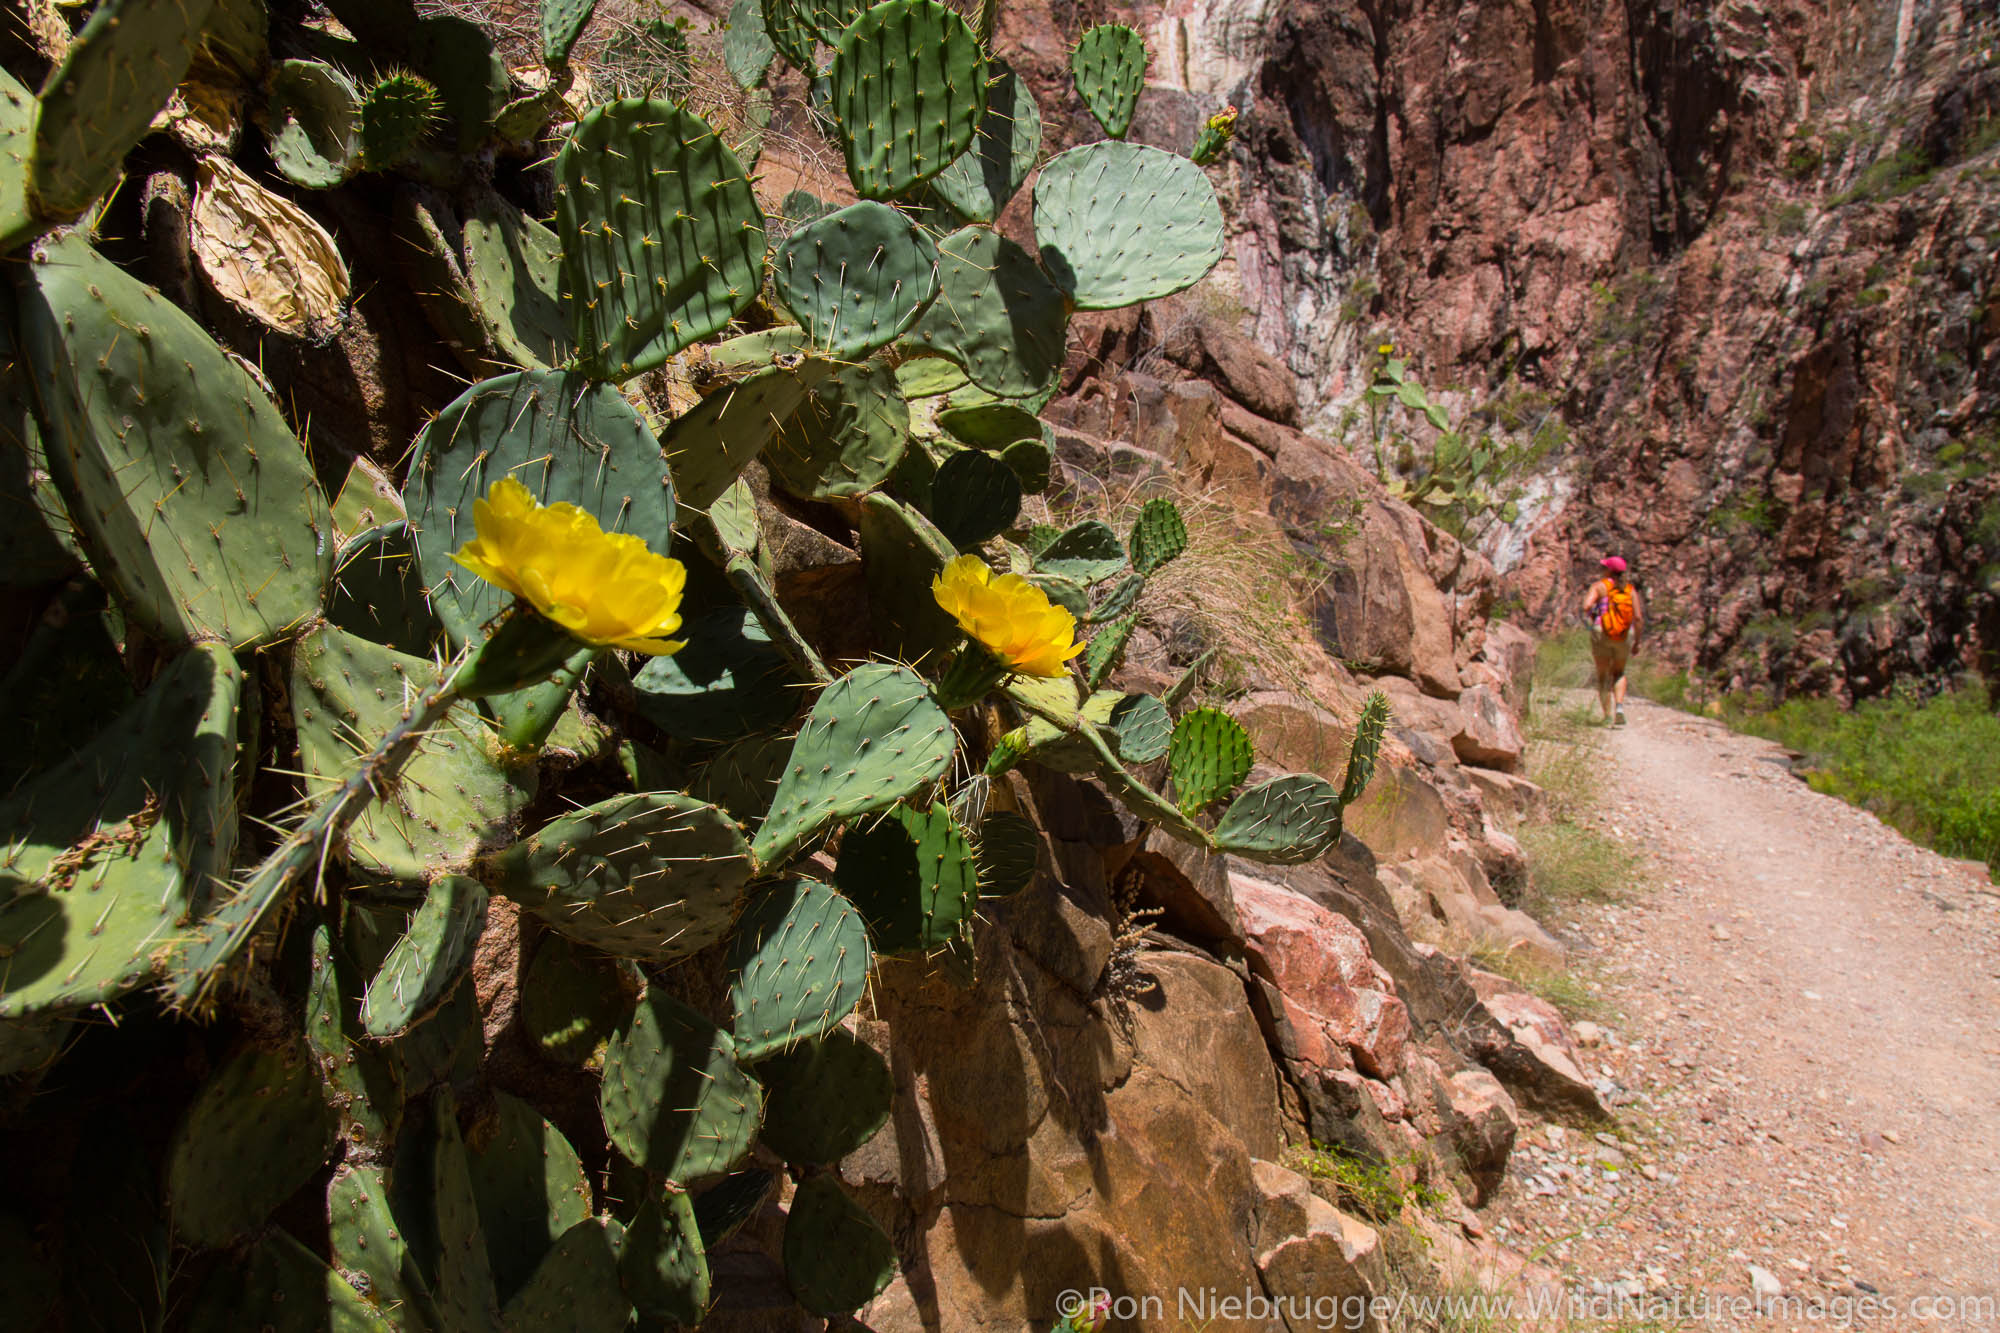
(1616, 608)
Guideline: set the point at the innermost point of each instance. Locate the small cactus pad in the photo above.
(575, 1287)
(193, 498)
(314, 124)
(457, 57)
(574, 997)
(847, 436)
(913, 876)
(901, 552)
(1032, 461)
(1119, 601)
(428, 961)
(908, 89)
(747, 49)
(785, 24)
(397, 114)
(708, 448)
(360, 1081)
(830, 19)
(991, 425)
(378, 594)
(120, 69)
(653, 877)
(258, 1130)
(367, 1239)
(1367, 746)
(102, 855)
(283, 1288)
(1209, 755)
(1286, 821)
(17, 130)
(463, 1276)
(1140, 728)
(675, 1100)
(1109, 65)
(450, 798)
(1086, 553)
(974, 497)
(996, 315)
(743, 778)
(512, 266)
(561, 436)
(1119, 223)
(874, 737)
(825, 1099)
(857, 278)
(1009, 850)
(529, 1187)
(1159, 534)
(562, 23)
(726, 684)
(836, 1257)
(663, 1264)
(981, 180)
(798, 964)
(1107, 648)
(663, 242)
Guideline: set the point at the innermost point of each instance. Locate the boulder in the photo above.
(1510, 800)
(1525, 1042)
(1483, 1123)
(1400, 815)
(1189, 886)
(1198, 1030)
(1339, 1003)
(1488, 734)
(1321, 1268)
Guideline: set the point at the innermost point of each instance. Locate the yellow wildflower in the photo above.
(1387, 349)
(1010, 616)
(605, 588)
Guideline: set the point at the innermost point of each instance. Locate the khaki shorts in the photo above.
(1610, 653)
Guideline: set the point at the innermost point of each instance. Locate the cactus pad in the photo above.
(258, 1130)
(1286, 821)
(397, 115)
(727, 683)
(1367, 746)
(1009, 850)
(857, 278)
(426, 964)
(836, 1257)
(743, 778)
(359, 1081)
(913, 876)
(315, 124)
(1119, 223)
(1140, 728)
(825, 1099)
(367, 1239)
(996, 314)
(1032, 462)
(1106, 649)
(675, 1101)
(874, 737)
(193, 498)
(573, 998)
(708, 448)
(747, 49)
(1109, 65)
(1159, 534)
(575, 1287)
(528, 1185)
(662, 239)
(1208, 756)
(974, 497)
(901, 552)
(981, 180)
(463, 1285)
(908, 89)
(991, 425)
(283, 1288)
(562, 23)
(1087, 553)
(798, 964)
(663, 1264)
(846, 437)
(512, 266)
(653, 877)
(785, 24)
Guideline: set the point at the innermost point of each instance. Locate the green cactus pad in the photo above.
(654, 877)
(1064, 592)
(1086, 553)
(1367, 746)
(708, 448)
(928, 376)
(562, 23)
(1159, 535)
(1119, 223)
(663, 1264)
(1119, 601)
(825, 1099)
(1286, 821)
(996, 314)
(575, 1288)
(836, 1257)
(1209, 755)
(743, 778)
(913, 876)
(747, 49)
(830, 19)
(991, 425)
(17, 144)
(1009, 851)
(785, 24)
(471, 78)
(30, 1045)
(1106, 649)
(572, 998)
(512, 266)
(856, 279)
(1109, 65)
(314, 124)
(726, 684)
(120, 69)
(194, 500)
(258, 1130)
(1032, 461)
(426, 964)
(361, 1084)
(561, 436)
(529, 1187)
(366, 1238)
(908, 86)
(874, 737)
(1141, 728)
(901, 552)
(798, 964)
(846, 437)
(662, 239)
(283, 1288)
(675, 1100)
(462, 1275)
(451, 798)
(102, 855)
(980, 181)
(396, 115)
(974, 497)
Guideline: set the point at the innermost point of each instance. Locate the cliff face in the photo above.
(1742, 251)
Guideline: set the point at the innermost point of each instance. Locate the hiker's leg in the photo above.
(1600, 657)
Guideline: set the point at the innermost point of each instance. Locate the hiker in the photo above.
(1611, 608)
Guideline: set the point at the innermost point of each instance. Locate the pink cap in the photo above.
(1614, 563)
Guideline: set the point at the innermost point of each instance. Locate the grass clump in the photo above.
(1930, 767)
(1379, 1191)
(1572, 995)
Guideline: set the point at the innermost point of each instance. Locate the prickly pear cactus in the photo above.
(907, 89)
(1109, 65)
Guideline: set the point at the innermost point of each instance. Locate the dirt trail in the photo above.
(1804, 1035)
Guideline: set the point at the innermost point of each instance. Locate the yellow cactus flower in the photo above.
(606, 588)
(1010, 616)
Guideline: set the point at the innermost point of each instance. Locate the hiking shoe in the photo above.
(1621, 717)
